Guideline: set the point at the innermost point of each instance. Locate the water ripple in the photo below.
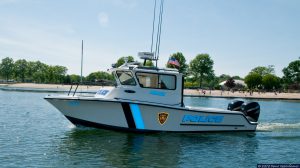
(35, 134)
(278, 126)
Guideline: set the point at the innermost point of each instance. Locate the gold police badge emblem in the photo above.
(162, 117)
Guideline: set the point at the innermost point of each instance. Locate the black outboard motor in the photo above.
(251, 110)
(235, 105)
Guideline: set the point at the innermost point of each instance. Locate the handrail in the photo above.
(75, 89)
(70, 90)
(72, 87)
(88, 83)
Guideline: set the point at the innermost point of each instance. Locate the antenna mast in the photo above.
(159, 29)
(154, 13)
(81, 61)
(158, 33)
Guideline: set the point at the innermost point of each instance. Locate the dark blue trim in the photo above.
(128, 115)
(79, 122)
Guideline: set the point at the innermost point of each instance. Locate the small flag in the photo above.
(173, 61)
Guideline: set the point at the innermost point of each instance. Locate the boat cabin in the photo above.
(146, 85)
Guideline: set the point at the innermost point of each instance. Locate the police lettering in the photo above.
(202, 119)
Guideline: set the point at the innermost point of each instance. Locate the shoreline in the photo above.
(59, 88)
(243, 95)
(52, 88)
(237, 97)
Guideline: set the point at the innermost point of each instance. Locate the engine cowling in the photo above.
(251, 109)
(235, 105)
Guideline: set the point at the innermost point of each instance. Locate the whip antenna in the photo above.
(81, 61)
(159, 29)
(154, 13)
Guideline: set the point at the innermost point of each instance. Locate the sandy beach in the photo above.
(48, 87)
(187, 92)
(255, 95)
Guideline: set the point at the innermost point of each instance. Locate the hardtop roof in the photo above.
(147, 69)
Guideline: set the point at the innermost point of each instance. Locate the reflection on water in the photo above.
(119, 149)
(160, 150)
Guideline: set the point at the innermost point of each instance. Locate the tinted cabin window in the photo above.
(126, 78)
(156, 81)
(168, 80)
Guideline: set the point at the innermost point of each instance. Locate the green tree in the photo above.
(253, 80)
(213, 81)
(40, 72)
(7, 67)
(224, 77)
(49, 74)
(292, 73)
(201, 67)
(237, 77)
(31, 68)
(270, 82)
(20, 69)
(262, 70)
(99, 75)
(149, 63)
(121, 60)
(59, 73)
(182, 62)
(72, 79)
(43, 73)
(189, 84)
(75, 78)
(67, 79)
(230, 83)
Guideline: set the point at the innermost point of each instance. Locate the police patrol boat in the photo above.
(149, 99)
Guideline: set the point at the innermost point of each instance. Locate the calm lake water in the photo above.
(34, 134)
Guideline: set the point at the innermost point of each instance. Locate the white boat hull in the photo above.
(145, 117)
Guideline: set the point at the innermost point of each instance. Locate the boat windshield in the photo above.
(126, 77)
(156, 81)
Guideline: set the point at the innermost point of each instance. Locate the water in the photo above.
(35, 134)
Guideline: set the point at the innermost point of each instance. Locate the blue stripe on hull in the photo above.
(137, 116)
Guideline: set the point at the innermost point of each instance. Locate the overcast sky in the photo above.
(238, 34)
